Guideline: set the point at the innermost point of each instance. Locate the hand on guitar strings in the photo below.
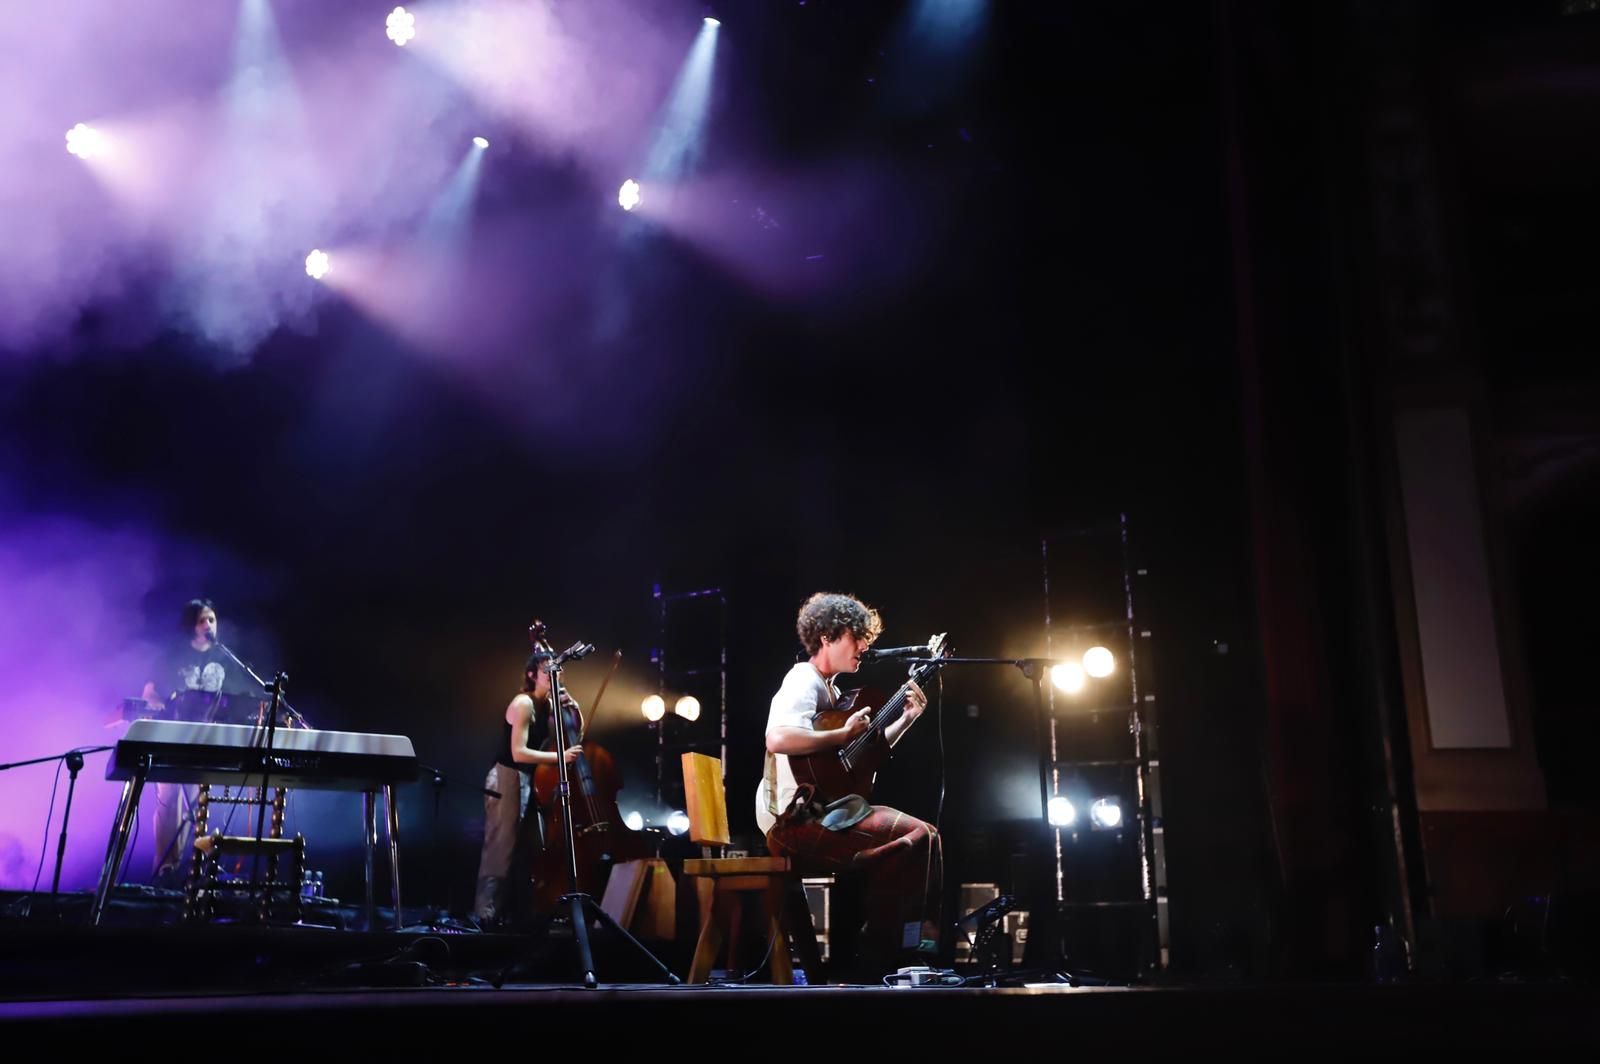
(916, 702)
(855, 724)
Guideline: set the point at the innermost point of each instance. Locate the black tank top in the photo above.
(538, 733)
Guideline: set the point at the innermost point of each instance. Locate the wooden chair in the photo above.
(723, 884)
(278, 898)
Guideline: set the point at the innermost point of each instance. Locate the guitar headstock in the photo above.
(938, 647)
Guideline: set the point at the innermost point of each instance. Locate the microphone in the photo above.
(895, 652)
(575, 652)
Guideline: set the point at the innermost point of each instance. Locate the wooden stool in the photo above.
(724, 883)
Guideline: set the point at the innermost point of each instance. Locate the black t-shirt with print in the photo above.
(206, 685)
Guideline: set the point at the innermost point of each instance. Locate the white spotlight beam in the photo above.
(680, 131)
(450, 215)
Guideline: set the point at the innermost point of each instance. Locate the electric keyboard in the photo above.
(192, 752)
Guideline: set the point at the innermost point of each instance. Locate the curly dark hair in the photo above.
(192, 611)
(828, 614)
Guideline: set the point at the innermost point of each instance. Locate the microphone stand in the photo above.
(275, 688)
(581, 906)
(1035, 669)
(282, 703)
(74, 761)
(439, 919)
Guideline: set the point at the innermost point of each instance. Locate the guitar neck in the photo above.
(892, 707)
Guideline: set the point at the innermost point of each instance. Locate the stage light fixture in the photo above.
(400, 26)
(85, 141)
(1068, 677)
(1106, 813)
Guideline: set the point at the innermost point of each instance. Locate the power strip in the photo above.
(921, 975)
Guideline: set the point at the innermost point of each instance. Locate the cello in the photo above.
(598, 833)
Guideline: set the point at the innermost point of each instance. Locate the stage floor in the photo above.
(1055, 1021)
(120, 986)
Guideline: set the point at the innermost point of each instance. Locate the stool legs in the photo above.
(721, 912)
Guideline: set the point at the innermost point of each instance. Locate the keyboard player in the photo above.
(196, 681)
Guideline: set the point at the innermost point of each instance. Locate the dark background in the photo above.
(1091, 203)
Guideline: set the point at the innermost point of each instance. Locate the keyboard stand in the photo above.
(369, 836)
(117, 847)
(128, 811)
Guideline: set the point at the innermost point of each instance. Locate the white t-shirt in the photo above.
(803, 693)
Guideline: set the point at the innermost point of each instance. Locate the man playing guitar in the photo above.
(805, 732)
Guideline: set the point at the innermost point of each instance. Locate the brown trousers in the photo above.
(901, 856)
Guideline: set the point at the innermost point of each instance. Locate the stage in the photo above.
(116, 986)
(1164, 439)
